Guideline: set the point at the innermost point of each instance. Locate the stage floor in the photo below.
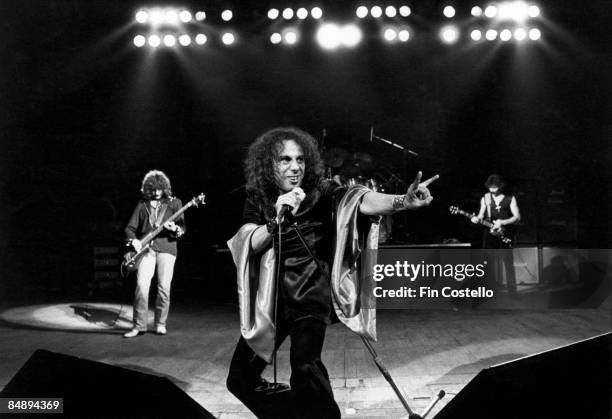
(425, 350)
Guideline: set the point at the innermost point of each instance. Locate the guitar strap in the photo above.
(488, 200)
(160, 217)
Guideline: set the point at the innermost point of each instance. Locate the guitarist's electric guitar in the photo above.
(500, 233)
(132, 258)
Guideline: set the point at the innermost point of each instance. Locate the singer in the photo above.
(285, 186)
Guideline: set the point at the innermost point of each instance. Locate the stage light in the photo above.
(515, 10)
(227, 15)
(490, 12)
(169, 40)
(376, 12)
(404, 11)
(505, 35)
(291, 37)
(491, 34)
(185, 40)
(390, 34)
(476, 35)
(449, 34)
(156, 17)
(302, 13)
(535, 34)
(273, 14)
(520, 34)
(361, 12)
(228, 38)
(200, 16)
(185, 16)
(139, 41)
(288, 13)
(316, 13)
(154, 41)
(142, 16)
(201, 39)
(350, 35)
(449, 11)
(533, 11)
(276, 38)
(403, 35)
(391, 11)
(171, 17)
(328, 36)
(476, 11)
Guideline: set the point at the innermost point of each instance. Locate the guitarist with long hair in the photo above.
(152, 211)
(503, 211)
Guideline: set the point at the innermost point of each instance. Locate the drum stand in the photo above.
(377, 360)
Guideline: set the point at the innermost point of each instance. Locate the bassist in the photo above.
(156, 206)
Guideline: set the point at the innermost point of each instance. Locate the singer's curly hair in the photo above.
(155, 179)
(262, 155)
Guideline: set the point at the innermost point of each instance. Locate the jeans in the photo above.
(165, 268)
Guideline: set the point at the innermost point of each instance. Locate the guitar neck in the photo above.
(146, 239)
(468, 215)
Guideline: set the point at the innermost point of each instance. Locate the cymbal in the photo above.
(334, 157)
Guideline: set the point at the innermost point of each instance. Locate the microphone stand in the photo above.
(391, 143)
(377, 360)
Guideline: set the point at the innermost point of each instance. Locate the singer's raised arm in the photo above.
(417, 196)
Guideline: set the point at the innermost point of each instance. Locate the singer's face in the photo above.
(494, 190)
(290, 166)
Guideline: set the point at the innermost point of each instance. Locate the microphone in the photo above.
(288, 208)
(284, 209)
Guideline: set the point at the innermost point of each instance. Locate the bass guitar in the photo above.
(132, 258)
(500, 233)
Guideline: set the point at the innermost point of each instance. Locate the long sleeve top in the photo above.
(146, 219)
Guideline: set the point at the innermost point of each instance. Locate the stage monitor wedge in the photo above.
(93, 389)
(572, 381)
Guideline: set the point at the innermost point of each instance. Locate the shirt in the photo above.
(304, 290)
(143, 221)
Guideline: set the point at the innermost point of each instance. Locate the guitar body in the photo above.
(500, 233)
(131, 259)
(128, 261)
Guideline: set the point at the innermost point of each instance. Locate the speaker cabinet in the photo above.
(95, 390)
(572, 381)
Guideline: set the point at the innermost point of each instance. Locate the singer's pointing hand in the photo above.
(418, 195)
(293, 198)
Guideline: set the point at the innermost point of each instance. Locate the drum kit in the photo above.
(352, 168)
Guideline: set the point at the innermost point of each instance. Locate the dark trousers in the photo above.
(311, 394)
(501, 255)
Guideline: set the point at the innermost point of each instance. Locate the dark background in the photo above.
(86, 114)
